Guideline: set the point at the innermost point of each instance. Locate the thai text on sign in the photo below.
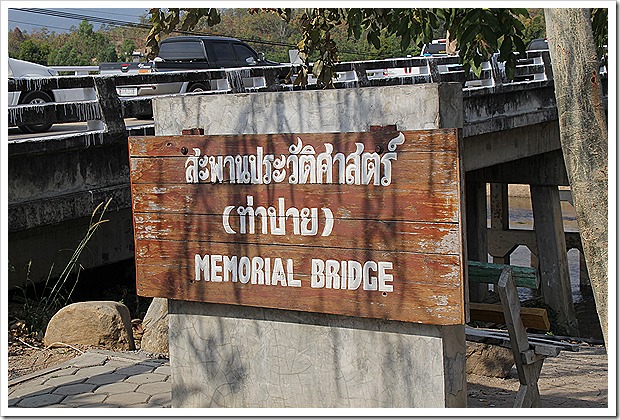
(359, 224)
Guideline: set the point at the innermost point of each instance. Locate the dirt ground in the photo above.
(574, 379)
(571, 380)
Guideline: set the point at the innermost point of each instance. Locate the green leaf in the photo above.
(468, 34)
(506, 48)
(373, 38)
(405, 41)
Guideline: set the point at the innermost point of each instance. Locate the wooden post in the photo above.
(554, 276)
(476, 221)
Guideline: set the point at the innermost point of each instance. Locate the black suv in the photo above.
(207, 52)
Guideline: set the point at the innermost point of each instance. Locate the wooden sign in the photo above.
(358, 224)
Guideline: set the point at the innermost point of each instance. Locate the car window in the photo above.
(223, 51)
(243, 53)
(538, 44)
(435, 48)
(182, 51)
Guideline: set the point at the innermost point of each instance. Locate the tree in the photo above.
(583, 134)
(534, 25)
(83, 47)
(16, 37)
(29, 50)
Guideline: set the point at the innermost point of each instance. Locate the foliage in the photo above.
(15, 39)
(56, 295)
(84, 47)
(33, 52)
(479, 32)
(599, 27)
(534, 25)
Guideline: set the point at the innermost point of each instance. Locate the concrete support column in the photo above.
(499, 214)
(551, 242)
(476, 221)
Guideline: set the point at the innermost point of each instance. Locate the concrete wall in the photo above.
(233, 356)
(336, 110)
(53, 188)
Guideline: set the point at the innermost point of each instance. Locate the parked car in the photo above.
(196, 53)
(19, 69)
(538, 44)
(436, 48)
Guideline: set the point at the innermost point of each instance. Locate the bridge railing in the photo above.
(104, 105)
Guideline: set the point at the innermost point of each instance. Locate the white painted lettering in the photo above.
(216, 268)
(290, 276)
(201, 265)
(370, 282)
(244, 270)
(354, 271)
(384, 277)
(317, 276)
(332, 278)
(230, 268)
(258, 276)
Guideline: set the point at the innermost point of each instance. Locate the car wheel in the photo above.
(198, 87)
(34, 98)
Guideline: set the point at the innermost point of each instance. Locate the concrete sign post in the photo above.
(358, 224)
(308, 261)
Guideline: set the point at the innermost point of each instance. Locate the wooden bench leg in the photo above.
(528, 394)
(528, 364)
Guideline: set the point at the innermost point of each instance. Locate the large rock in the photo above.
(98, 323)
(155, 326)
(489, 360)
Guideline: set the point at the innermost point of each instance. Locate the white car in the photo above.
(19, 69)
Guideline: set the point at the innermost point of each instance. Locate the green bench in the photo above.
(529, 352)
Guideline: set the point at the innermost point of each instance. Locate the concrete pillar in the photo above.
(499, 214)
(476, 215)
(551, 242)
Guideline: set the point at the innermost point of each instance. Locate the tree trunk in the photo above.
(583, 134)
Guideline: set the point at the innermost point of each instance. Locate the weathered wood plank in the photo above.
(409, 267)
(423, 141)
(377, 204)
(488, 273)
(419, 299)
(428, 238)
(532, 317)
(435, 168)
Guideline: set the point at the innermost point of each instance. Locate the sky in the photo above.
(38, 18)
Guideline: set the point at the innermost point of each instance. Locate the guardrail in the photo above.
(106, 106)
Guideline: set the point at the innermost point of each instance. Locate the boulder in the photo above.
(489, 360)
(155, 326)
(98, 323)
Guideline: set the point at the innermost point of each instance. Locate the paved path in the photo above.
(96, 379)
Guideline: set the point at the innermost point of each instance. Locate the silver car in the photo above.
(19, 69)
